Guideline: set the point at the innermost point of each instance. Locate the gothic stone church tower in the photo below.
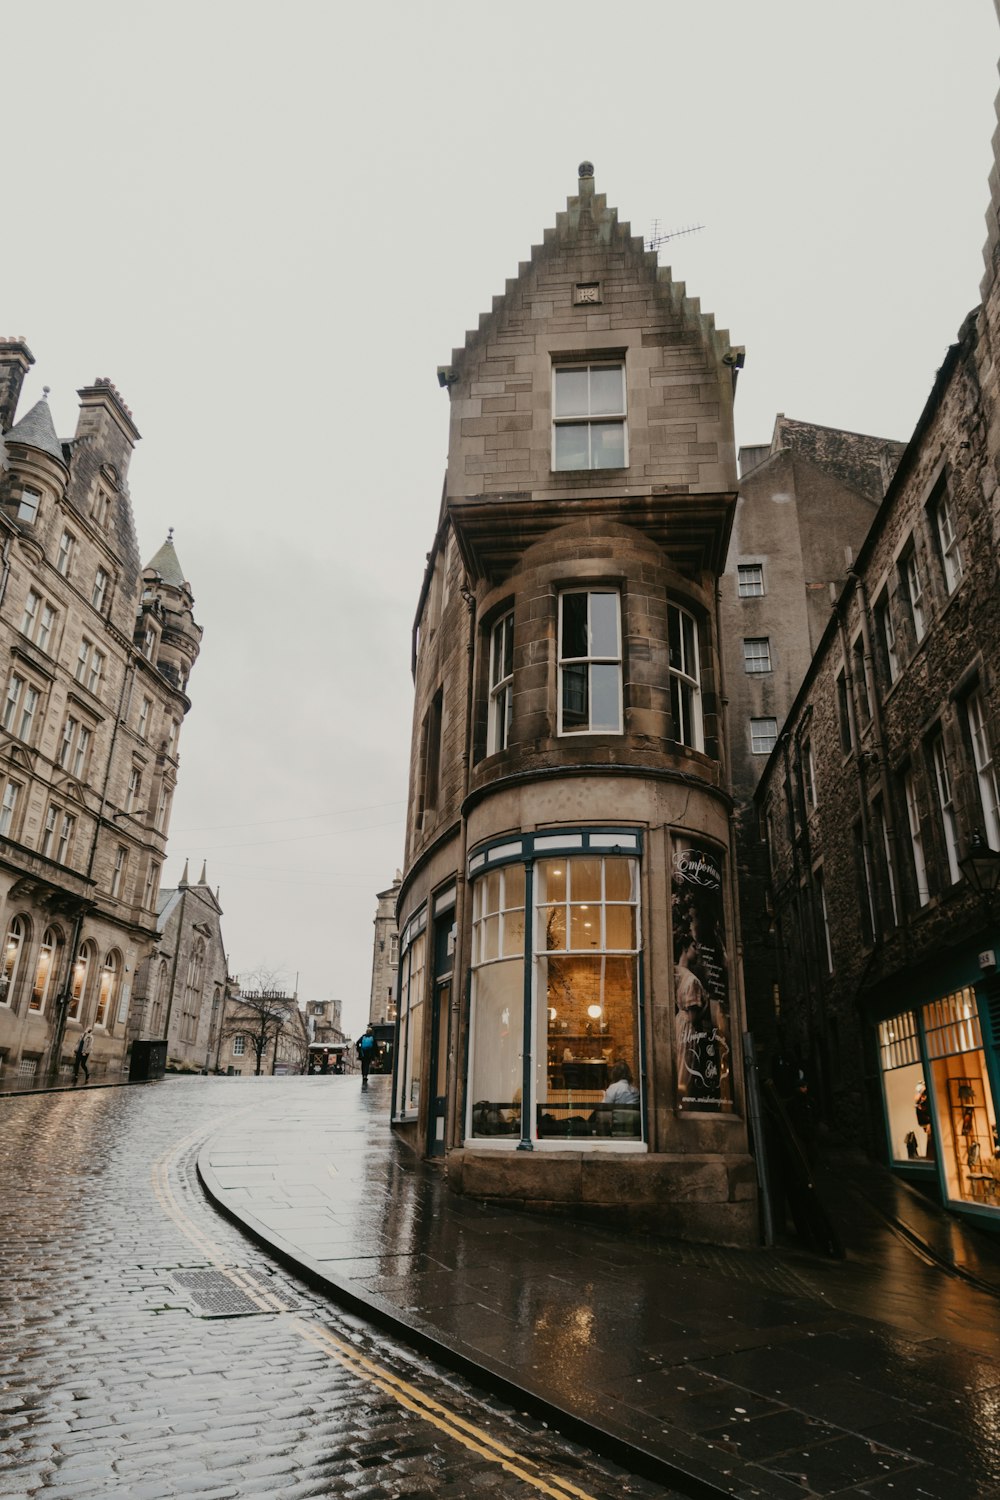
(570, 1005)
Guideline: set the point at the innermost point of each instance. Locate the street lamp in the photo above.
(981, 868)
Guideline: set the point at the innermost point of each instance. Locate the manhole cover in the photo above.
(232, 1294)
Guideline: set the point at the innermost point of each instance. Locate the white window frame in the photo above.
(916, 837)
(119, 871)
(239, 1045)
(887, 633)
(133, 789)
(20, 707)
(820, 884)
(985, 764)
(946, 803)
(8, 806)
(501, 683)
(89, 665)
(684, 670)
(100, 590)
(889, 868)
(750, 580)
(947, 537)
(67, 543)
(756, 654)
(589, 419)
(914, 585)
(808, 771)
(589, 662)
(152, 886)
(142, 728)
(28, 508)
(758, 738)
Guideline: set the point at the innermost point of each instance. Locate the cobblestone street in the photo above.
(149, 1350)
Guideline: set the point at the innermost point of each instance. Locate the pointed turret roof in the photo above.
(36, 430)
(203, 880)
(167, 564)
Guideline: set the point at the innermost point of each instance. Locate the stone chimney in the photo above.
(106, 419)
(16, 360)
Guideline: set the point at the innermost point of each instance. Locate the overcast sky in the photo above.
(268, 224)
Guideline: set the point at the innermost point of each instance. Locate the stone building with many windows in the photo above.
(570, 1005)
(881, 804)
(95, 653)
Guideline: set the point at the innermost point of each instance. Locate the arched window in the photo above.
(159, 996)
(10, 965)
(78, 980)
(46, 968)
(109, 988)
(192, 993)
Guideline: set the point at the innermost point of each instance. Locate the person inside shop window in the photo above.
(621, 1090)
(922, 1108)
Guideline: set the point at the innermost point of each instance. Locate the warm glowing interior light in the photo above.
(594, 1012)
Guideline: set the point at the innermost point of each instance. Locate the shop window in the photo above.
(107, 992)
(965, 1117)
(496, 1070)
(10, 962)
(587, 972)
(411, 1026)
(501, 683)
(588, 417)
(590, 663)
(685, 677)
(78, 980)
(907, 1107)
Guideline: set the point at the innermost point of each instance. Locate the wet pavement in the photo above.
(148, 1349)
(745, 1373)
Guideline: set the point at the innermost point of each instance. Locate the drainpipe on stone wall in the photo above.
(5, 567)
(455, 1103)
(734, 888)
(65, 994)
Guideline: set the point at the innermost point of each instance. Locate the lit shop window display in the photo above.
(580, 974)
(907, 1105)
(966, 1118)
(702, 1048)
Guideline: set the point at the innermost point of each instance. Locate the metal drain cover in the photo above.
(231, 1294)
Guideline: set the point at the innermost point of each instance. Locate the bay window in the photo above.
(501, 683)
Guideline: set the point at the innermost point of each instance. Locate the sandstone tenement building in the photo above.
(95, 652)
(570, 1006)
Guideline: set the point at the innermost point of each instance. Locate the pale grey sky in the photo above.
(268, 224)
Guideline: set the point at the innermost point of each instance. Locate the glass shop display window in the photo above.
(965, 1125)
(907, 1105)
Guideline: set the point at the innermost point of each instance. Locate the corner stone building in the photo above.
(95, 654)
(570, 1008)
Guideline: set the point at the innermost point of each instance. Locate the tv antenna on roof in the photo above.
(658, 237)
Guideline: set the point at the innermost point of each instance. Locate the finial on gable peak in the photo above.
(585, 169)
(45, 392)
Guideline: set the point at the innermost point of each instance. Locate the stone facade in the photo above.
(883, 783)
(264, 1031)
(569, 834)
(180, 989)
(806, 502)
(385, 957)
(96, 656)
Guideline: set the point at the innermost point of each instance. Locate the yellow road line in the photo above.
(450, 1423)
(408, 1396)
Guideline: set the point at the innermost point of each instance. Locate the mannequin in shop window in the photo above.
(922, 1108)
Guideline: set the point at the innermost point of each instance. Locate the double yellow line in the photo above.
(448, 1423)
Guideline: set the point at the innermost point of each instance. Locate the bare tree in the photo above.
(259, 1011)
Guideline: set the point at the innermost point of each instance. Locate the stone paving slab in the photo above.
(755, 1373)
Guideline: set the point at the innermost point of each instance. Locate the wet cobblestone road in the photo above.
(115, 1377)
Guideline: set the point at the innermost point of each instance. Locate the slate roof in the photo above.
(35, 430)
(167, 565)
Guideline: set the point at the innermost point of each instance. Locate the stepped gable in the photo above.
(588, 225)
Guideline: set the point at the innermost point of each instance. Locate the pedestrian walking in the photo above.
(366, 1052)
(82, 1055)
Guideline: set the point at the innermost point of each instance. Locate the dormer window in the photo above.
(27, 509)
(588, 417)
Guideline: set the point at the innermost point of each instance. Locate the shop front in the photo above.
(939, 1079)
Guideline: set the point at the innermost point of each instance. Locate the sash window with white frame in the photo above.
(501, 683)
(588, 416)
(985, 763)
(590, 662)
(685, 677)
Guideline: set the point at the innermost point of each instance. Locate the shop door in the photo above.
(440, 1013)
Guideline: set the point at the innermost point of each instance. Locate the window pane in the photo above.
(490, 892)
(571, 394)
(619, 923)
(607, 392)
(607, 445)
(513, 933)
(603, 625)
(572, 450)
(490, 939)
(585, 879)
(496, 1073)
(514, 885)
(551, 880)
(552, 928)
(574, 697)
(605, 712)
(574, 625)
(619, 879)
(585, 926)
